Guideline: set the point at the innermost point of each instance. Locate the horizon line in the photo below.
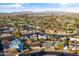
(41, 11)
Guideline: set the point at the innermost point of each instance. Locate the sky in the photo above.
(38, 7)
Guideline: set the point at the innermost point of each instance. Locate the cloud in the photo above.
(15, 7)
(40, 1)
(64, 5)
(11, 6)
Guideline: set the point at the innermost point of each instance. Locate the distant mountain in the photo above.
(57, 13)
(46, 13)
(23, 12)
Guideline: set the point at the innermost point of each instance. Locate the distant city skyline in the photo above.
(38, 7)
